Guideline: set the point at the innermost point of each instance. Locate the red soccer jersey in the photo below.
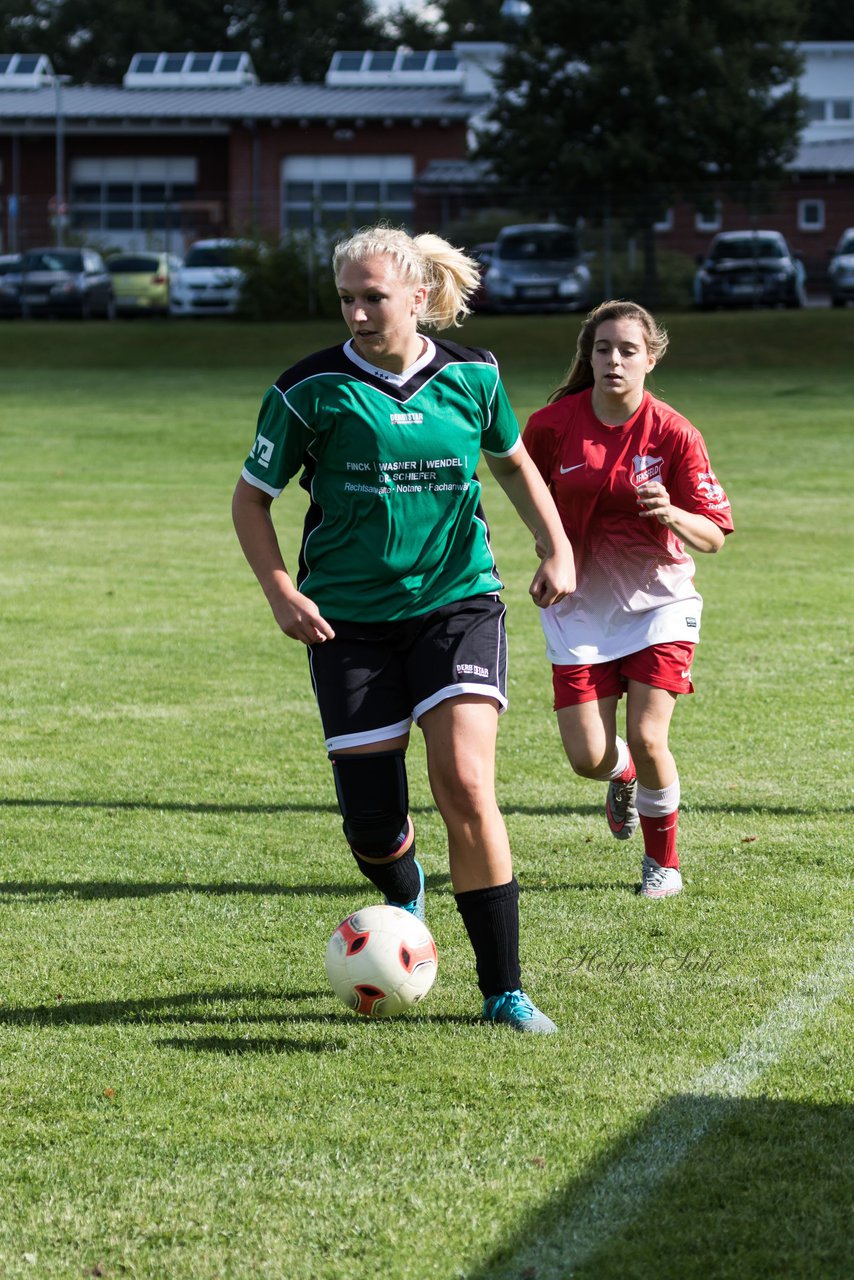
(635, 578)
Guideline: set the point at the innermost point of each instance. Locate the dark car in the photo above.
(482, 255)
(841, 270)
(66, 282)
(536, 266)
(749, 269)
(10, 277)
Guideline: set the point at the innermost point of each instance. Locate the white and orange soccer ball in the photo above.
(381, 961)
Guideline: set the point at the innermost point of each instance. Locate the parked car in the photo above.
(141, 282)
(841, 270)
(536, 266)
(10, 284)
(208, 283)
(749, 269)
(482, 254)
(66, 282)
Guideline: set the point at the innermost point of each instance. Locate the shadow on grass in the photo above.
(89, 890)
(184, 1007)
(35, 891)
(168, 806)
(707, 1186)
(200, 1008)
(261, 1044)
(524, 810)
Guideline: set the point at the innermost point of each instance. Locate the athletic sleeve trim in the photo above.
(259, 484)
(505, 453)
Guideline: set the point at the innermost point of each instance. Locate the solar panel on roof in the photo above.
(25, 70)
(388, 67)
(189, 70)
(349, 61)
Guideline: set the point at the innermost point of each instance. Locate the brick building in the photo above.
(191, 145)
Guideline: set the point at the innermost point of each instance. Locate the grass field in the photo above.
(181, 1096)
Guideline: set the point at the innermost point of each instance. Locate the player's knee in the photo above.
(584, 762)
(373, 797)
(461, 791)
(647, 743)
(586, 768)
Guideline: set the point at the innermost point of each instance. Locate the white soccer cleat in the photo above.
(658, 881)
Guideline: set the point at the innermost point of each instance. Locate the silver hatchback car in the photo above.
(536, 266)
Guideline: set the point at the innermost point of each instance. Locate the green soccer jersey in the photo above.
(394, 526)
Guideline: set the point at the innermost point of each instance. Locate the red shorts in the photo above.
(661, 666)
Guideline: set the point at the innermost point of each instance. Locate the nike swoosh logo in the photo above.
(564, 470)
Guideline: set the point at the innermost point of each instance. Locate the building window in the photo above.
(820, 110)
(340, 193)
(709, 219)
(811, 215)
(665, 223)
(139, 198)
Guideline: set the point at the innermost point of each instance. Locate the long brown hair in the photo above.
(580, 375)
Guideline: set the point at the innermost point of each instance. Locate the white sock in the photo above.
(623, 758)
(658, 804)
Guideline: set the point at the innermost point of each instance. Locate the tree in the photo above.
(687, 100)
(295, 39)
(829, 20)
(94, 40)
(440, 25)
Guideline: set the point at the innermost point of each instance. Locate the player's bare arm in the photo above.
(296, 614)
(526, 489)
(695, 530)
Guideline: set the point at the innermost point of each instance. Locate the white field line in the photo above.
(618, 1196)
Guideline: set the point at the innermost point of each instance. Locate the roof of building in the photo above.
(257, 102)
(833, 156)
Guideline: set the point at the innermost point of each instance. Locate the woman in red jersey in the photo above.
(635, 489)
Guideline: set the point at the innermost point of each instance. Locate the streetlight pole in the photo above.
(59, 198)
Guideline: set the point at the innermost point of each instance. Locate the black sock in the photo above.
(491, 918)
(398, 881)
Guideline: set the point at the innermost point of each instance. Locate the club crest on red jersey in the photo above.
(645, 468)
(707, 485)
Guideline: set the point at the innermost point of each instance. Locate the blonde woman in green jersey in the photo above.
(397, 597)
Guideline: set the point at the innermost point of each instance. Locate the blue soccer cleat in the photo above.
(515, 1009)
(416, 907)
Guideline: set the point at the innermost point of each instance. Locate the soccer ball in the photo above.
(381, 960)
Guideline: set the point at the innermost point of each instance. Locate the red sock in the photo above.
(659, 838)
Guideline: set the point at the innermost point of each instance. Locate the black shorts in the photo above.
(375, 678)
